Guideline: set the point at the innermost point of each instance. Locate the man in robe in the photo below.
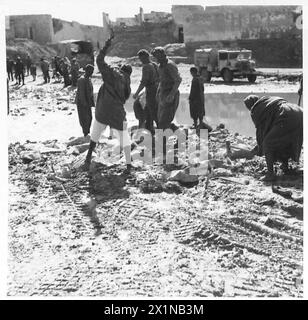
(196, 98)
(149, 81)
(74, 72)
(109, 109)
(279, 130)
(85, 100)
(168, 89)
(45, 70)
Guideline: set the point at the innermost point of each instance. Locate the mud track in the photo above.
(97, 234)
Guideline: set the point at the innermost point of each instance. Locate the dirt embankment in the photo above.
(22, 47)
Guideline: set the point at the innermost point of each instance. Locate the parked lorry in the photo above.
(228, 64)
(81, 50)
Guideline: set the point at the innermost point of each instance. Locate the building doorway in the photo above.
(181, 34)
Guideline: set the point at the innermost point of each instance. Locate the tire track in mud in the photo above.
(147, 227)
(140, 241)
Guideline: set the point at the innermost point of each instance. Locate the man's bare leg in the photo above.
(127, 150)
(89, 155)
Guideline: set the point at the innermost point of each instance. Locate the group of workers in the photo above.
(17, 70)
(279, 124)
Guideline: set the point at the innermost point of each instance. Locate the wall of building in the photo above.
(156, 16)
(128, 41)
(235, 22)
(129, 22)
(35, 27)
(65, 30)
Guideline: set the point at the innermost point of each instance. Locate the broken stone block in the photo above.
(221, 172)
(182, 176)
(29, 156)
(172, 187)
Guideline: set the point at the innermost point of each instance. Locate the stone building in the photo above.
(66, 30)
(217, 23)
(36, 27)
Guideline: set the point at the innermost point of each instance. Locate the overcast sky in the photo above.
(90, 11)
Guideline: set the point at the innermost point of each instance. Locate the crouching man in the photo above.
(279, 130)
(109, 109)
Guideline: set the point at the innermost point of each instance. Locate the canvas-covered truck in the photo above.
(228, 64)
(81, 50)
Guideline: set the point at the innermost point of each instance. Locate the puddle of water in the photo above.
(226, 108)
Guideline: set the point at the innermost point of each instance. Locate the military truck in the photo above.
(228, 64)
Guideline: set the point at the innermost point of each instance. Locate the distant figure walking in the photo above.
(9, 69)
(85, 99)
(19, 68)
(65, 70)
(33, 71)
(28, 63)
(45, 70)
(74, 72)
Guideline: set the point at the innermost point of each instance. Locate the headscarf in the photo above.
(250, 101)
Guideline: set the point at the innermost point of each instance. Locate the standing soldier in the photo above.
(28, 64)
(45, 70)
(85, 99)
(65, 72)
(33, 71)
(9, 69)
(168, 90)
(149, 81)
(19, 69)
(74, 72)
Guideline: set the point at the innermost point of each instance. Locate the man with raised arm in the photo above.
(109, 109)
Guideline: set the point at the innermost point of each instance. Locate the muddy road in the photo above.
(104, 233)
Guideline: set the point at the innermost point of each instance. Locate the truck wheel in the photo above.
(252, 78)
(227, 75)
(206, 75)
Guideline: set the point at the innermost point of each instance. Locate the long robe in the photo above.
(196, 99)
(168, 75)
(84, 100)
(74, 73)
(150, 81)
(112, 95)
(279, 128)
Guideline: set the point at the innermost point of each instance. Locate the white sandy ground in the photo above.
(105, 237)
